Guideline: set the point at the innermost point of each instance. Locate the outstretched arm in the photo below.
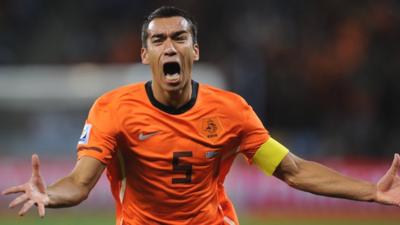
(68, 191)
(74, 188)
(318, 179)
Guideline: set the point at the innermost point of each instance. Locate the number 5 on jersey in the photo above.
(181, 168)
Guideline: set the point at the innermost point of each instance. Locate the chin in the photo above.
(170, 88)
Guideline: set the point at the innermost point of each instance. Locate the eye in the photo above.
(156, 41)
(181, 38)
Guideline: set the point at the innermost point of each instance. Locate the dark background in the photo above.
(322, 75)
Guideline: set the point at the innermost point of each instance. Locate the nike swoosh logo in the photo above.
(143, 136)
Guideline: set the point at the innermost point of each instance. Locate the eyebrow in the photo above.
(173, 35)
(178, 33)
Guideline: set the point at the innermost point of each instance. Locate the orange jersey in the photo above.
(167, 165)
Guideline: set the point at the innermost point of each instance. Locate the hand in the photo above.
(388, 187)
(34, 192)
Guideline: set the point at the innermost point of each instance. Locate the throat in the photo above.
(175, 99)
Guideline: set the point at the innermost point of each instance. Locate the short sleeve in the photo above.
(253, 133)
(99, 135)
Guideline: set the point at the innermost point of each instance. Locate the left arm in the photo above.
(318, 179)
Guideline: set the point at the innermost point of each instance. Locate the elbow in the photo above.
(292, 175)
(291, 170)
(300, 176)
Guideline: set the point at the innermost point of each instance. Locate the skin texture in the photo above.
(68, 191)
(318, 179)
(170, 41)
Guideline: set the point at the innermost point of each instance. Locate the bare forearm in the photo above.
(318, 179)
(74, 188)
(66, 192)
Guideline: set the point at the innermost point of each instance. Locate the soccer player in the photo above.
(167, 144)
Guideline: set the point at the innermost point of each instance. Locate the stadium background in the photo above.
(322, 75)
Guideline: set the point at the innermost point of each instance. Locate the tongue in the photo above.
(172, 77)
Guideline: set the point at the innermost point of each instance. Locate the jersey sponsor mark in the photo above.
(142, 136)
(84, 139)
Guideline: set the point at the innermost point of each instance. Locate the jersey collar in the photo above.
(170, 109)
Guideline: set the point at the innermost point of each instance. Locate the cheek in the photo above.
(153, 60)
(189, 55)
(153, 53)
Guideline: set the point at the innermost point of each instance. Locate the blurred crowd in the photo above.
(324, 76)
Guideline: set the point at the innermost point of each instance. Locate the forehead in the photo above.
(168, 25)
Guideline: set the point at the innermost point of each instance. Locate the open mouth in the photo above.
(171, 68)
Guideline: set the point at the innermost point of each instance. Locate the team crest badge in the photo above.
(84, 139)
(211, 128)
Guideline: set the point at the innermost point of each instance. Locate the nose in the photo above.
(169, 49)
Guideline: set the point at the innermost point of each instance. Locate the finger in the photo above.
(395, 165)
(35, 165)
(26, 207)
(41, 210)
(13, 190)
(22, 198)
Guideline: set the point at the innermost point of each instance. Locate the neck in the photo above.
(175, 99)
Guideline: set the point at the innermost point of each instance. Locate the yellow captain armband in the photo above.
(269, 155)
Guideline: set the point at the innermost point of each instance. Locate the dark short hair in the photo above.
(165, 12)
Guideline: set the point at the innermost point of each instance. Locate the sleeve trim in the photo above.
(95, 156)
(97, 149)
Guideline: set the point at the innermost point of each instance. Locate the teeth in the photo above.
(172, 77)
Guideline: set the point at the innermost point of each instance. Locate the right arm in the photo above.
(68, 191)
(74, 188)
(99, 131)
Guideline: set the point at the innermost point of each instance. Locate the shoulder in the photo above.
(115, 96)
(220, 96)
(225, 102)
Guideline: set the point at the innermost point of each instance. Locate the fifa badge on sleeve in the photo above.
(84, 139)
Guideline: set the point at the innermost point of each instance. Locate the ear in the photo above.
(196, 52)
(144, 56)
